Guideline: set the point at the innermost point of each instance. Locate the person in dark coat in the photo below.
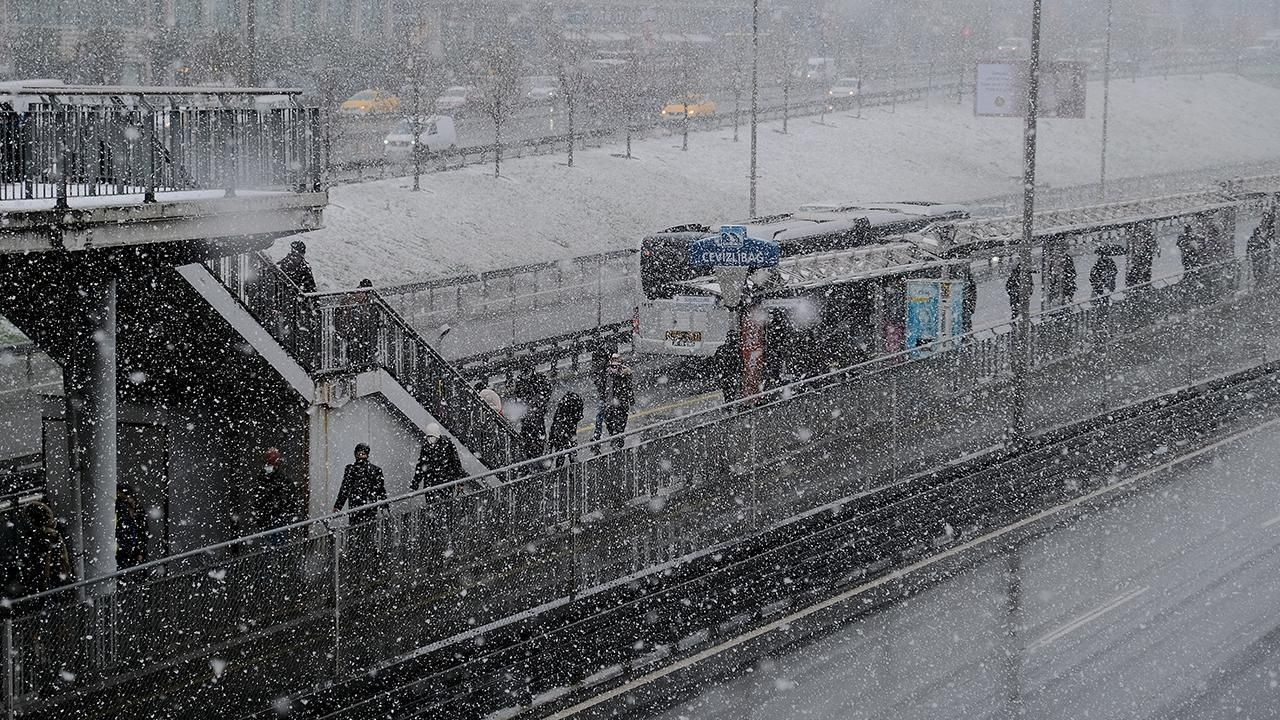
(362, 484)
(726, 363)
(47, 563)
(1068, 280)
(438, 460)
(1018, 286)
(619, 395)
(1142, 252)
(533, 390)
(564, 425)
(1102, 278)
(131, 528)
(297, 269)
(357, 325)
(273, 496)
(600, 355)
(1189, 245)
(969, 303)
(1259, 249)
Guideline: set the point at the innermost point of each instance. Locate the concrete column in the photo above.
(90, 382)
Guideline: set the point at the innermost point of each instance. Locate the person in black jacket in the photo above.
(438, 460)
(726, 363)
(1018, 286)
(131, 528)
(533, 390)
(297, 269)
(1102, 278)
(362, 484)
(564, 426)
(619, 394)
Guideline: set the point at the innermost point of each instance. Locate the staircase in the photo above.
(344, 334)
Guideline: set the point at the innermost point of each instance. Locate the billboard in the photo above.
(1001, 89)
(935, 311)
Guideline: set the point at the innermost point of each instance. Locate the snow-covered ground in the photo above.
(467, 220)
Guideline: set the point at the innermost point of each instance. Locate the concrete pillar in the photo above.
(90, 386)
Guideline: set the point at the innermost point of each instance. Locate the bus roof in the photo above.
(802, 272)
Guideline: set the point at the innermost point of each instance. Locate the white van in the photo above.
(436, 133)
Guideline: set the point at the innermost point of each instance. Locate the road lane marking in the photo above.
(1271, 522)
(1087, 618)
(788, 620)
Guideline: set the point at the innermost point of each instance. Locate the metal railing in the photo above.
(434, 566)
(335, 334)
(70, 144)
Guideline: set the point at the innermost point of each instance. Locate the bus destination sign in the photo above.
(732, 248)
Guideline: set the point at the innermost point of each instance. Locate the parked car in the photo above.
(436, 133)
(541, 88)
(1014, 46)
(846, 87)
(456, 97)
(698, 107)
(370, 102)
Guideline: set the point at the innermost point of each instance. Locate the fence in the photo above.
(435, 566)
(137, 143)
(343, 333)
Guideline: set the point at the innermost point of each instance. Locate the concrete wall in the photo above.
(335, 431)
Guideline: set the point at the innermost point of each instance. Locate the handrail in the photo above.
(322, 330)
(526, 469)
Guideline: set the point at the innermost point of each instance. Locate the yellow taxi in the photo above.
(370, 102)
(698, 107)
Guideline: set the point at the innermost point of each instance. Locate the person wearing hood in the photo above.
(564, 426)
(362, 484)
(438, 460)
(490, 397)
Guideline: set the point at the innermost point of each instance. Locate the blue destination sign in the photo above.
(732, 248)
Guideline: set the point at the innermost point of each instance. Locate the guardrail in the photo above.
(83, 142)
(335, 334)
(337, 594)
(546, 354)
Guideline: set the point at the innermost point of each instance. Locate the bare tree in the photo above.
(572, 76)
(785, 56)
(499, 89)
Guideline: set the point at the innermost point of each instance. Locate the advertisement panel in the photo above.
(1002, 89)
(935, 311)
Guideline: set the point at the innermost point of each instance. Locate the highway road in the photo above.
(1158, 605)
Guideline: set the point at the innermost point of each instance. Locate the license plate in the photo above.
(683, 338)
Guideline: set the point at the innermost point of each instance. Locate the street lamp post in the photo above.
(1022, 325)
(755, 98)
(1106, 104)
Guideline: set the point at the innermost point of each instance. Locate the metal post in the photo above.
(737, 102)
(251, 42)
(337, 610)
(755, 99)
(10, 672)
(1022, 327)
(64, 126)
(416, 145)
(1106, 105)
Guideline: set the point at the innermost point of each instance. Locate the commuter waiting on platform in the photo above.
(564, 426)
(1259, 249)
(1102, 278)
(618, 395)
(1018, 286)
(356, 322)
(362, 484)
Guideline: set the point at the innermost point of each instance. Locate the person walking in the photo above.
(605, 348)
(356, 321)
(619, 395)
(272, 494)
(438, 460)
(131, 528)
(726, 364)
(1102, 278)
(47, 563)
(297, 269)
(362, 484)
(564, 426)
(533, 390)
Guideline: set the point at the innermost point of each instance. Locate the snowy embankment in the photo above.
(466, 220)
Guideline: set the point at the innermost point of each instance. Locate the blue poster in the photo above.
(922, 314)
